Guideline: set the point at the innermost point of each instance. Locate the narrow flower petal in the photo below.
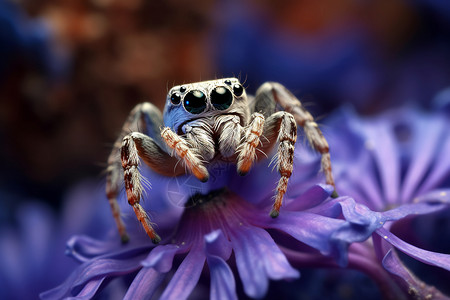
(437, 195)
(83, 248)
(412, 209)
(257, 259)
(428, 257)
(441, 168)
(312, 197)
(223, 285)
(315, 231)
(144, 284)
(186, 277)
(414, 286)
(423, 154)
(216, 244)
(89, 290)
(91, 270)
(385, 155)
(161, 257)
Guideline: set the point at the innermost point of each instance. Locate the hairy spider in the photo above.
(203, 122)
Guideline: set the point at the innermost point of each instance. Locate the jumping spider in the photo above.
(203, 122)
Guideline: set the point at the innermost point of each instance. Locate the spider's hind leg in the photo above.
(270, 94)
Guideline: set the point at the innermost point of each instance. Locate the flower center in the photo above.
(215, 196)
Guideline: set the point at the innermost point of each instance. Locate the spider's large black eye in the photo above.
(195, 102)
(221, 98)
(175, 98)
(238, 89)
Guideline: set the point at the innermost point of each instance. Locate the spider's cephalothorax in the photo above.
(205, 121)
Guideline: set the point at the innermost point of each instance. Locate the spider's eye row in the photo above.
(221, 98)
(195, 102)
(175, 98)
(238, 89)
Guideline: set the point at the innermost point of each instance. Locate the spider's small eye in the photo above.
(228, 82)
(221, 98)
(195, 102)
(183, 89)
(175, 98)
(238, 89)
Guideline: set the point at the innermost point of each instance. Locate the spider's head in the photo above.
(204, 99)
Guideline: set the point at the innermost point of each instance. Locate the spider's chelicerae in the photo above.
(207, 121)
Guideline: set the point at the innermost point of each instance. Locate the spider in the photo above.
(203, 122)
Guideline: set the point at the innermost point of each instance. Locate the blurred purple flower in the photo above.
(212, 222)
(32, 256)
(395, 165)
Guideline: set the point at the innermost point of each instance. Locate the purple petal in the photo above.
(92, 270)
(441, 169)
(385, 152)
(423, 153)
(144, 284)
(186, 277)
(83, 248)
(428, 257)
(315, 230)
(312, 197)
(217, 244)
(412, 209)
(161, 257)
(257, 258)
(392, 263)
(89, 290)
(223, 284)
(438, 196)
(356, 182)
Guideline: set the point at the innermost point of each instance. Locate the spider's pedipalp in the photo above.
(184, 152)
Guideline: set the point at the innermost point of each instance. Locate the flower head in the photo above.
(394, 166)
(223, 224)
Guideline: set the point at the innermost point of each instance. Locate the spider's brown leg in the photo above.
(291, 104)
(247, 150)
(284, 124)
(146, 117)
(133, 186)
(114, 171)
(183, 151)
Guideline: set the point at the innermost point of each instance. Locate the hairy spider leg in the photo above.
(133, 185)
(283, 124)
(184, 152)
(247, 150)
(303, 118)
(114, 169)
(124, 157)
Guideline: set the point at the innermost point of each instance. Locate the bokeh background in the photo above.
(71, 70)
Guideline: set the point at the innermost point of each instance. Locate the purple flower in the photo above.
(32, 254)
(223, 224)
(395, 166)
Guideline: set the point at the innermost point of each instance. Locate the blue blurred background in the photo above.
(71, 70)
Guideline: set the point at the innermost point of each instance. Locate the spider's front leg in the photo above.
(272, 92)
